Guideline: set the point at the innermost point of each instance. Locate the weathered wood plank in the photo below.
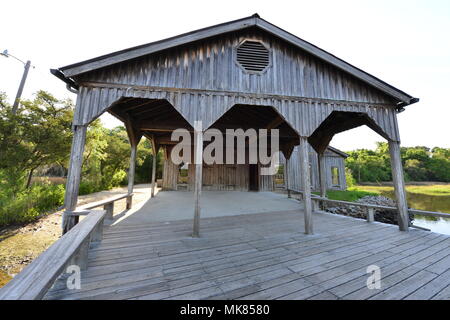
(34, 281)
(235, 258)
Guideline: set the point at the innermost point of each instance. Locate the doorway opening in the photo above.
(253, 184)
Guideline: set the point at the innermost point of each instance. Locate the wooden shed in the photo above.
(334, 169)
(246, 73)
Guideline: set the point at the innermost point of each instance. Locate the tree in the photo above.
(39, 134)
(368, 165)
(439, 164)
(419, 163)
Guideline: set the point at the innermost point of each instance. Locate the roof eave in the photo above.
(335, 61)
(136, 52)
(69, 71)
(337, 151)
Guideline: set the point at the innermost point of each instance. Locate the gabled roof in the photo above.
(236, 25)
(337, 151)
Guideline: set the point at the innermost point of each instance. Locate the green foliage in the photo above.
(280, 169)
(107, 158)
(28, 205)
(38, 135)
(439, 164)
(352, 194)
(419, 163)
(351, 182)
(145, 162)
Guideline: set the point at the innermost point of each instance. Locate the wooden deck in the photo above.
(263, 256)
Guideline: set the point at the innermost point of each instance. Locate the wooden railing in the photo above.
(370, 208)
(107, 204)
(71, 249)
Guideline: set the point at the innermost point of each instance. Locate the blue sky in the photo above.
(405, 43)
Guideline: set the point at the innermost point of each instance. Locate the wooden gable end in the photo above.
(210, 65)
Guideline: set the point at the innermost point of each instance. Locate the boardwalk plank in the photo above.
(263, 256)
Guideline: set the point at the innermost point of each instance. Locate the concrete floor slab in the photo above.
(179, 205)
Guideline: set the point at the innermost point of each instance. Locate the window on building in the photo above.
(335, 176)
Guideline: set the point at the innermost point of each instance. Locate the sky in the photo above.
(405, 43)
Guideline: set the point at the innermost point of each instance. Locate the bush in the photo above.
(113, 179)
(351, 182)
(28, 205)
(88, 187)
(108, 181)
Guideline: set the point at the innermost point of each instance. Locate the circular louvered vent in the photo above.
(253, 56)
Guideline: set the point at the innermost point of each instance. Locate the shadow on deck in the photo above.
(260, 256)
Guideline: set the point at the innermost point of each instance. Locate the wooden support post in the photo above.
(399, 185)
(134, 136)
(315, 205)
(155, 148)
(286, 178)
(153, 174)
(73, 177)
(370, 214)
(306, 184)
(322, 178)
(109, 208)
(97, 233)
(322, 175)
(198, 147)
(131, 173)
(80, 258)
(129, 201)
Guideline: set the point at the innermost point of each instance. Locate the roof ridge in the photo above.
(233, 26)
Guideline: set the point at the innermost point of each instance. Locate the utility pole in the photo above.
(22, 82)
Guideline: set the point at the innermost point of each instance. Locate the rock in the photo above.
(385, 216)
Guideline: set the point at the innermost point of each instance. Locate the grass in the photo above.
(430, 190)
(30, 204)
(352, 194)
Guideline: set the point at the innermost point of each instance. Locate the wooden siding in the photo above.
(216, 177)
(304, 115)
(331, 160)
(203, 81)
(211, 65)
(266, 182)
(170, 175)
(221, 177)
(337, 162)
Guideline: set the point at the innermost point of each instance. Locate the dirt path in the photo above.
(21, 245)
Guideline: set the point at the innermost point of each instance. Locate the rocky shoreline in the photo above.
(385, 216)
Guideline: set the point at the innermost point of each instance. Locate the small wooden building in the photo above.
(237, 177)
(246, 73)
(334, 169)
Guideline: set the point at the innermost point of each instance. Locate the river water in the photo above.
(427, 203)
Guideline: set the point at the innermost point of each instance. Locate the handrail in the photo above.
(430, 213)
(71, 249)
(108, 205)
(374, 206)
(103, 202)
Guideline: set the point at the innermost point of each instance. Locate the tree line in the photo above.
(35, 143)
(419, 163)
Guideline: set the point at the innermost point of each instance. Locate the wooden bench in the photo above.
(107, 204)
(71, 249)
